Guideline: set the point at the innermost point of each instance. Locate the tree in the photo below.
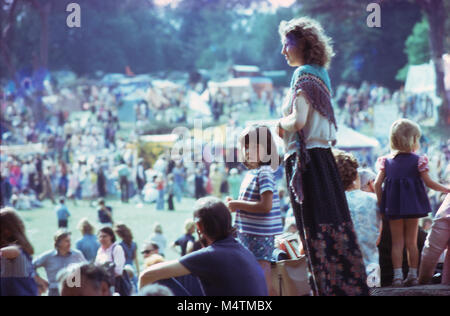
(7, 23)
(436, 14)
(417, 48)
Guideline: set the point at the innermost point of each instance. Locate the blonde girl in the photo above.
(403, 199)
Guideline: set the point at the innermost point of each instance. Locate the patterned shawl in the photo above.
(315, 84)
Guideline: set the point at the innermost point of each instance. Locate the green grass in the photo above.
(41, 223)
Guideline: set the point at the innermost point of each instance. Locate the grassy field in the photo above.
(41, 223)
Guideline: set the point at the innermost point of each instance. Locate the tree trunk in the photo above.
(5, 38)
(436, 14)
(44, 13)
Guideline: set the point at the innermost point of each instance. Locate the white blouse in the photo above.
(318, 131)
(105, 255)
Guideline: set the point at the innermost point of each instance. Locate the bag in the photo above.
(122, 283)
(290, 277)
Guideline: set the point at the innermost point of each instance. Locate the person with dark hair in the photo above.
(308, 129)
(155, 290)
(224, 266)
(123, 172)
(104, 213)
(365, 215)
(111, 254)
(17, 277)
(57, 259)
(130, 249)
(150, 248)
(5, 191)
(93, 281)
(62, 213)
(258, 216)
(101, 182)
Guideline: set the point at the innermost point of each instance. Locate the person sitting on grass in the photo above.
(224, 266)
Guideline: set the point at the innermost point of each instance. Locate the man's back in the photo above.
(103, 215)
(226, 268)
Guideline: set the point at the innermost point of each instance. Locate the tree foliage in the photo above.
(209, 34)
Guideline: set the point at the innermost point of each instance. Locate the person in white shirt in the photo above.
(109, 251)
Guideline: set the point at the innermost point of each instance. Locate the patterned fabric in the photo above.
(314, 82)
(326, 229)
(366, 220)
(261, 246)
(255, 183)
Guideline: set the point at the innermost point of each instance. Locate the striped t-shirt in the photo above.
(255, 183)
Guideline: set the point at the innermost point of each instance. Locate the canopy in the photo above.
(23, 149)
(348, 138)
(197, 103)
(422, 78)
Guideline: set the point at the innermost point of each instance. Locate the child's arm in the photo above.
(262, 206)
(10, 252)
(433, 184)
(378, 185)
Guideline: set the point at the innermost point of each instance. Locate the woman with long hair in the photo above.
(308, 128)
(16, 269)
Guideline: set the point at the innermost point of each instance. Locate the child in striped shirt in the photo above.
(258, 216)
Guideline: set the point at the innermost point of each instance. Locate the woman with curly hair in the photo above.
(365, 215)
(308, 128)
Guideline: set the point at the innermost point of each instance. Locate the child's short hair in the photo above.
(260, 135)
(347, 167)
(404, 135)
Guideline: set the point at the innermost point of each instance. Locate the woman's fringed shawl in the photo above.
(314, 82)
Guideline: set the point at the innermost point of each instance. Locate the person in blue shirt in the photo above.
(225, 267)
(63, 214)
(88, 244)
(55, 260)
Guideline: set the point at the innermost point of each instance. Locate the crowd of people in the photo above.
(355, 106)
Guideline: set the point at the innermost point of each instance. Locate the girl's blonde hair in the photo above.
(404, 136)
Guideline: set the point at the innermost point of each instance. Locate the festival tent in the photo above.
(349, 139)
(422, 78)
(198, 104)
(240, 89)
(152, 146)
(18, 150)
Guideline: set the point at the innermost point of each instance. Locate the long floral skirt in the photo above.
(325, 226)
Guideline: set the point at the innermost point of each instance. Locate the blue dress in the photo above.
(404, 194)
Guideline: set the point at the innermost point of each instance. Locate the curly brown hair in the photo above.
(347, 166)
(316, 46)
